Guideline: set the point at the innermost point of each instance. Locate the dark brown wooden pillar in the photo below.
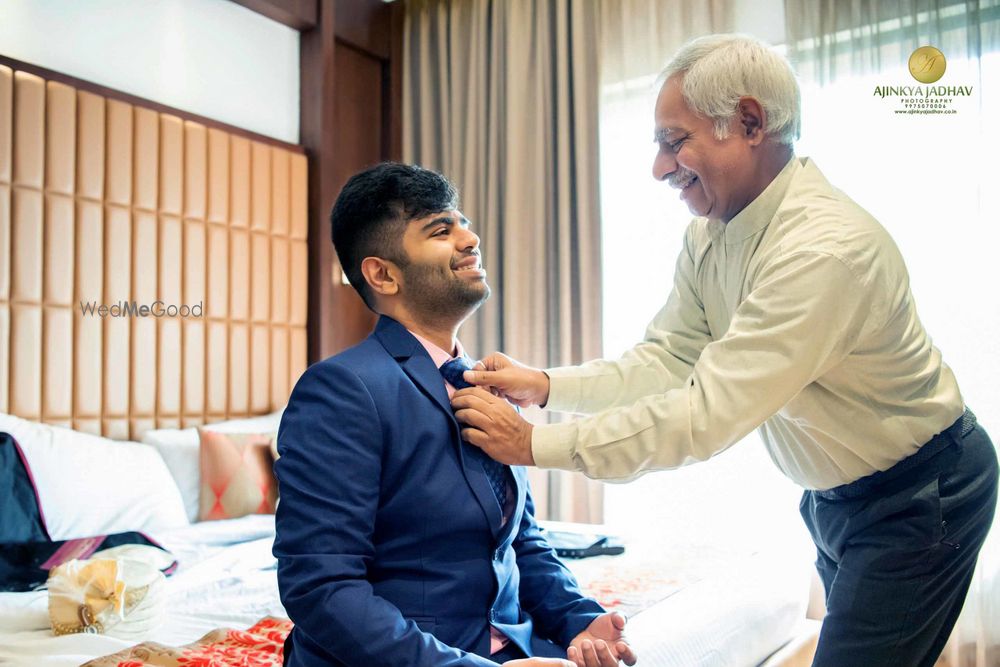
(351, 92)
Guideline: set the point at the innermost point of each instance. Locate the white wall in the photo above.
(209, 57)
(764, 19)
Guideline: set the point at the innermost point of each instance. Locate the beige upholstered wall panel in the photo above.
(60, 144)
(4, 241)
(218, 176)
(147, 160)
(6, 118)
(29, 130)
(26, 360)
(280, 173)
(108, 203)
(239, 182)
(90, 146)
(88, 333)
(4, 354)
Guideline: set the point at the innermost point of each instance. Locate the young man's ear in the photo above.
(752, 120)
(381, 274)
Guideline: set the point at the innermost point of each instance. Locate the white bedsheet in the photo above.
(737, 617)
(226, 578)
(741, 609)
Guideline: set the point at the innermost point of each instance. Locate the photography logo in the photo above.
(927, 65)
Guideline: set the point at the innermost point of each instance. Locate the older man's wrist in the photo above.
(545, 386)
(529, 429)
(564, 389)
(552, 446)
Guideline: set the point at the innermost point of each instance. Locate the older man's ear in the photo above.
(752, 120)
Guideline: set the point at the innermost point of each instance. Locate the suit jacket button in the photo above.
(498, 554)
(493, 615)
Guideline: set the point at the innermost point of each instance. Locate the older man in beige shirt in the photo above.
(791, 312)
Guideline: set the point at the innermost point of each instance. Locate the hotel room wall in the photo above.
(105, 200)
(211, 58)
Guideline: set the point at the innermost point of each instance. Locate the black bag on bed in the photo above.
(27, 553)
(20, 516)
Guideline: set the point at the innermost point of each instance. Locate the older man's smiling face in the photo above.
(713, 175)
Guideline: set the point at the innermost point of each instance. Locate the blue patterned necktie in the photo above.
(496, 472)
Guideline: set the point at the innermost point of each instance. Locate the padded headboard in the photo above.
(106, 201)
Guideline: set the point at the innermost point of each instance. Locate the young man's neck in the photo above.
(441, 332)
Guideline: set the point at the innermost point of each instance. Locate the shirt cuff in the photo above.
(552, 445)
(564, 389)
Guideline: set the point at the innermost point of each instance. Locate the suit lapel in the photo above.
(420, 368)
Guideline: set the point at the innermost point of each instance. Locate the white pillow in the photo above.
(179, 449)
(89, 485)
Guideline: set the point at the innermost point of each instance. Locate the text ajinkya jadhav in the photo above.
(921, 91)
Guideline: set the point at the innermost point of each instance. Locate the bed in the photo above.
(722, 609)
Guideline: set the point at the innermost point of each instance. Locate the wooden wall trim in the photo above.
(112, 93)
(366, 26)
(297, 14)
(316, 113)
(347, 34)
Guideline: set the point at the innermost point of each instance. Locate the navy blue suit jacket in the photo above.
(389, 545)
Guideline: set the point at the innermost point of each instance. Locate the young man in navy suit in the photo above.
(397, 543)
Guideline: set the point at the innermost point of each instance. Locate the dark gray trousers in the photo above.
(896, 551)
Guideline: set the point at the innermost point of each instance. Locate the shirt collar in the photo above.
(757, 214)
(439, 356)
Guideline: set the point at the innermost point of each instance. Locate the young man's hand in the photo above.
(538, 662)
(602, 644)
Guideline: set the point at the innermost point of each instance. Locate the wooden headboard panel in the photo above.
(106, 201)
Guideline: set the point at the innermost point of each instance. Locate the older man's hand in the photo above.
(493, 425)
(507, 378)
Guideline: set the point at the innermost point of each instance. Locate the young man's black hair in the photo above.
(373, 209)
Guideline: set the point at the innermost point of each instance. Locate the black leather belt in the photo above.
(864, 486)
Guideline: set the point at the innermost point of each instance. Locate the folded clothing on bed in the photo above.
(27, 554)
(26, 566)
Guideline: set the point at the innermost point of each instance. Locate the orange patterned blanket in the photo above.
(262, 645)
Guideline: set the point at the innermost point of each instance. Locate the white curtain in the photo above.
(643, 225)
(932, 181)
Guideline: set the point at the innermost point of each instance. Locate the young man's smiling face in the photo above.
(443, 273)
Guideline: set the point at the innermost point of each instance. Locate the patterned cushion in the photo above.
(236, 475)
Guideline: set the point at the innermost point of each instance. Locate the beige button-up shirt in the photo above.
(795, 317)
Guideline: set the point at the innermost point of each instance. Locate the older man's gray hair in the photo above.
(720, 69)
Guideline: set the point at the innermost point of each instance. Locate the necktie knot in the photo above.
(452, 371)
